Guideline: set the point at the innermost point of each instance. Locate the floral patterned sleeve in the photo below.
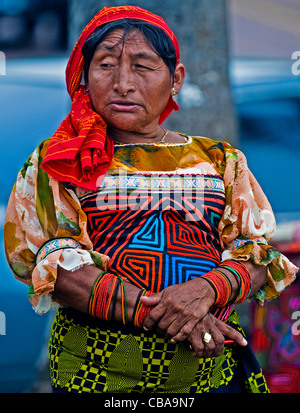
(45, 227)
(248, 224)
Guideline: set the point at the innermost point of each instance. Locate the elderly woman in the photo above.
(142, 238)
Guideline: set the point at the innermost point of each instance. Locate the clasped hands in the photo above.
(182, 313)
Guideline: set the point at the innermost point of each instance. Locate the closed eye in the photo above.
(139, 66)
(106, 65)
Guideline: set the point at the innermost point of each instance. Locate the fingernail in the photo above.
(245, 342)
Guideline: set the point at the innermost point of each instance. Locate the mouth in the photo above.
(123, 105)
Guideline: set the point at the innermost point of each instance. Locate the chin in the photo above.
(126, 125)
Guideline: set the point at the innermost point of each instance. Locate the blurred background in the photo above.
(242, 86)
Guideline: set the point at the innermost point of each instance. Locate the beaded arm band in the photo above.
(141, 311)
(222, 286)
(104, 294)
(104, 289)
(54, 245)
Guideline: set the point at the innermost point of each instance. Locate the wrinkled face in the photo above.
(134, 69)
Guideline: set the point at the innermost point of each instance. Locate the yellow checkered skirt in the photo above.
(88, 355)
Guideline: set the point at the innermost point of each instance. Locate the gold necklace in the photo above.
(162, 140)
(164, 135)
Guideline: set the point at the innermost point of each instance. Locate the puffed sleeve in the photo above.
(248, 224)
(45, 227)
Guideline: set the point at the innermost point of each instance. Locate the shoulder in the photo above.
(43, 147)
(216, 150)
(209, 144)
(34, 160)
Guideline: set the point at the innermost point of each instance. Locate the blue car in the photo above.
(34, 102)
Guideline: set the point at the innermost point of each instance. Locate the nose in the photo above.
(123, 80)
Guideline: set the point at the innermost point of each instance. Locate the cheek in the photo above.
(97, 91)
(95, 96)
(159, 94)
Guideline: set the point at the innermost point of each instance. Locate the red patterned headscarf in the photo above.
(80, 151)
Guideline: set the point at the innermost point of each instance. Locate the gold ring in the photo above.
(207, 338)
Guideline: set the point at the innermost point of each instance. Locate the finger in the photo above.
(183, 333)
(165, 325)
(218, 340)
(231, 333)
(180, 332)
(209, 347)
(151, 300)
(195, 341)
(177, 326)
(197, 348)
(152, 318)
(198, 353)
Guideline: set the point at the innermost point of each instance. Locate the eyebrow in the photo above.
(140, 55)
(146, 56)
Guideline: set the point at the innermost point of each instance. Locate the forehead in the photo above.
(133, 40)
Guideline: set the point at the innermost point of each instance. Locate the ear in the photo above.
(179, 76)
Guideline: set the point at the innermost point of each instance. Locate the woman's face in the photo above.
(134, 69)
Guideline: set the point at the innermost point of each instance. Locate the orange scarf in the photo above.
(80, 151)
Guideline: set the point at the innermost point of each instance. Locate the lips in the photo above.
(123, 105)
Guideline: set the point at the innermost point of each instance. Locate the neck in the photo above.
(119, 136)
